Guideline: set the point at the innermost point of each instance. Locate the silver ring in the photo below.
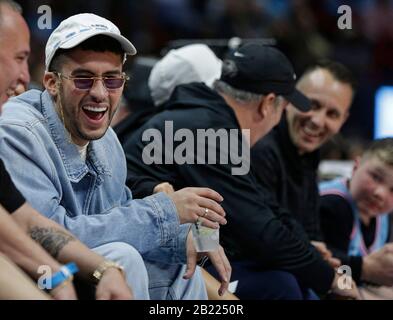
(206, 212)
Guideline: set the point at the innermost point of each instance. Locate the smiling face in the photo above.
(14, 52)
(330, 99)
(371, 186)
(86, 113)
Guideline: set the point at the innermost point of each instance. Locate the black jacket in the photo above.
(255, 231)
(289, 177)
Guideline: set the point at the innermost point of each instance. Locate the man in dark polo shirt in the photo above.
(285, 162)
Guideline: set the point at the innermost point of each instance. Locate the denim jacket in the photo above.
(89, 198)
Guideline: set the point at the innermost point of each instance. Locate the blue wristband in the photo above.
(66, 272)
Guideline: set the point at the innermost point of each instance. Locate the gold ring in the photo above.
(206, 212)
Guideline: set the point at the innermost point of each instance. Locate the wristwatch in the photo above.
(99, 272)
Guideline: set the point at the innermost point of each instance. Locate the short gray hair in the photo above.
(239, 95)
(12, 5)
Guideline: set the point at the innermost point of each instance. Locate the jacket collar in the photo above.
(75, 167)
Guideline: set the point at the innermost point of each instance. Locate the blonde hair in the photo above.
(381, 149)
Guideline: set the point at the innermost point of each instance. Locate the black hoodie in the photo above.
(257, 229)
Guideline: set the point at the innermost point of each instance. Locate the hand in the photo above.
(322, 249)
(218, 258)
(212, 288)
(64, 291)
(351, 293)
(192, 202)
(326, 254)
(113, 286)
(378, 266)
(165, 187)
(334, 262)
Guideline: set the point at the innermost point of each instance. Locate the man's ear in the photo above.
(51, 83)
(356, 164)
(265, 105)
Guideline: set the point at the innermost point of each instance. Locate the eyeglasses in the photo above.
(86, 83)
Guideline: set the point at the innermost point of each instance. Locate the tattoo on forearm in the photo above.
(51, 239)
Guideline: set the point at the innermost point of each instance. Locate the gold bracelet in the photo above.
(105, 265)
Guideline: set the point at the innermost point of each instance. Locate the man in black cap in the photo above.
(196, 141)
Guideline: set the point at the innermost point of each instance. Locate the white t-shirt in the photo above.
(83, 151)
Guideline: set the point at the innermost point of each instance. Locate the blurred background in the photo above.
(305, 30)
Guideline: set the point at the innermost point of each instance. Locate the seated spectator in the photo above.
(193, 63)
(76, 167)
(15, 229)
(269, 255)
(285, 162)
(13, 54)
(355, 221)
(179, 66)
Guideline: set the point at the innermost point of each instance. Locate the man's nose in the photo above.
(24, 76)
(318, 118)
(98, 90)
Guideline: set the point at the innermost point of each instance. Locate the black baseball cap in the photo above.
(262, 69)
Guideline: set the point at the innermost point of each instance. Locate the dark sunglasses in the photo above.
(86, 83)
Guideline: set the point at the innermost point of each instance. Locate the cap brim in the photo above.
(299, 100)
(74, 41)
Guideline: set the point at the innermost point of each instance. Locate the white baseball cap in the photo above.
(78, 28)
(191, 63)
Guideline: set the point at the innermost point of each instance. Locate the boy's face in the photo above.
(372, 186)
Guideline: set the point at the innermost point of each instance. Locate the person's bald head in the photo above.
(14, 49)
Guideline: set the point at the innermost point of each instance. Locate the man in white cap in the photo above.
(24, 221)
(19, 222)
(76, 167)
(193, 63)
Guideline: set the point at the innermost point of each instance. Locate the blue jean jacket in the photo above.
(88, 198)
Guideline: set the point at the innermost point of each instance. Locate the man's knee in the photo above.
(263, 285)
(126, 255)
(287, 286)
(132, 262)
